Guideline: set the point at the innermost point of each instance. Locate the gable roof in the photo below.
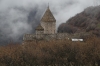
(48, 16)
(39, 27)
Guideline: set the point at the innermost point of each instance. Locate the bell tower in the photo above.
(48, 22)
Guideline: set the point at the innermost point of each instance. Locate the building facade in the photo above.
(46, 29)
(48, 22)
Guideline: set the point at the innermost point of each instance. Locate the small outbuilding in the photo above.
(39, 31)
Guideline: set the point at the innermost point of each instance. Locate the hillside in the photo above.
(52, 53)
(87, 21)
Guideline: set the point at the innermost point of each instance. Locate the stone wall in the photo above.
(29, 37)
(39, 32)
(49, 37)
(49, 27)
(46, 36)
(62, 35)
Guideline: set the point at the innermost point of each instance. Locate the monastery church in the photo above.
(48, 24)
(46, 29)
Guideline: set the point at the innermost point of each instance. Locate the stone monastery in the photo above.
(46, 29)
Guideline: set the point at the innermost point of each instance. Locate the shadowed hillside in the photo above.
(88, 22)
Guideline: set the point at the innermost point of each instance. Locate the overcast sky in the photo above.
(14, 13)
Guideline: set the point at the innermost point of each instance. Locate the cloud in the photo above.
(18, 17)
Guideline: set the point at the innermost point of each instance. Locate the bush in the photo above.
(52, 53)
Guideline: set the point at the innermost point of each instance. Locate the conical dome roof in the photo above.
(48, 16)
(39, 27)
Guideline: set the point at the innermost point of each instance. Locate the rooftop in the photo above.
(39, 27)
(48, 16)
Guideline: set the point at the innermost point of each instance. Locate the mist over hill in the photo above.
(86, 21)
(19, 17)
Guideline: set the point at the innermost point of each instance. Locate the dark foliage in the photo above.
(52, 53)
(87, 21)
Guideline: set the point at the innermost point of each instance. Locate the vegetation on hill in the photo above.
(52, 53)
(87, 21)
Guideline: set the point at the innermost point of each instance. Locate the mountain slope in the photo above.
(87, 21)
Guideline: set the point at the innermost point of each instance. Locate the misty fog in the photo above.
(19, 17)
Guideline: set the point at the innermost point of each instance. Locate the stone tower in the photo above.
(48, 22)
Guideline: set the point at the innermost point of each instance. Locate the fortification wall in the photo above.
(29, 37)
(62, 35)
(56, 36)
(46, 36)
(49, 37)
